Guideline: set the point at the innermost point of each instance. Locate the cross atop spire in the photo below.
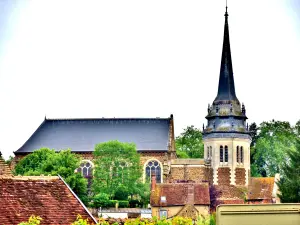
(226, 90)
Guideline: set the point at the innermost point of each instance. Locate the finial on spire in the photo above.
(226, 13)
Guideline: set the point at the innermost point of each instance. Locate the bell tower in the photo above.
(226, 135)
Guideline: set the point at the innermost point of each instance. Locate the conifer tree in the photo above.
(289, 184)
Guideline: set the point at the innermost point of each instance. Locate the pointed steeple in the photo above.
(226, 90)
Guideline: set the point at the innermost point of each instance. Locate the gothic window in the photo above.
(86, 168)
(226, 153)
(210, 151)
(221, 153)
(237, 154)
(242, 155)
(153, 167)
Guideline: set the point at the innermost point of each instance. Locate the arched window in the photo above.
(86, 168)
(221, 153)
(242, 155)
(237, 154)
(153, 167)
(226, 153)
(210, 151)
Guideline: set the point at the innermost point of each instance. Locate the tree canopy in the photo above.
(271, 147)
(289, 184)
(117, 169)
(48, 162)
(189, 143)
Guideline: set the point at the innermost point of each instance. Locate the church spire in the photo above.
(226, 90)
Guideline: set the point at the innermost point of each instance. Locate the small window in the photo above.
(242, 155)
(237, 154)
(163, 213)
(226, 153)
(210, 153)
(221, 153)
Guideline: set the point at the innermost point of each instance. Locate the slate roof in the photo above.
(81, 135)
(177, 194)
(47, 197)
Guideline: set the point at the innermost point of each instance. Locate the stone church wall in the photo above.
(240, 176)
(223, 176)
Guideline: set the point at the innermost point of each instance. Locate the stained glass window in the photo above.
(86, 168)
(153, 167)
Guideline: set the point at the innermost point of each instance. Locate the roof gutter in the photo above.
(78, 199)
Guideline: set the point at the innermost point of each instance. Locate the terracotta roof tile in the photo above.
(4, 168)
(231, 193)
(177, 194)
(261, 188)
(47, 197)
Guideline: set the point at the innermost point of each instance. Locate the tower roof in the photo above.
(226, 90)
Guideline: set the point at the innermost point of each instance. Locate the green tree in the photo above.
(289, 184)
(117, 165)
(48, 162)
(275, 140)
(189, 143)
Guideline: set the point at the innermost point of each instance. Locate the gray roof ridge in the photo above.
(111, 118)
(39, 127)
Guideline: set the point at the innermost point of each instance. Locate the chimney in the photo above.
(153, 181)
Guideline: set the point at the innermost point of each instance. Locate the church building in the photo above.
(225, 168)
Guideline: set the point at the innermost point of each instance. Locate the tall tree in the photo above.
(189, 143)
(274, 141)
(48, 162)
(289, 184)
(116, 164)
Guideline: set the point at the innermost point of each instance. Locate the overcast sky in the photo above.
(70, 59)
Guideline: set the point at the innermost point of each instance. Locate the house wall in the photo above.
(174, 210)
(197, 173)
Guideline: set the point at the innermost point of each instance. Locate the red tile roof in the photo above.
(4, 168)
(177, 194)
(47, 197)
(261, 188)
(231, 194)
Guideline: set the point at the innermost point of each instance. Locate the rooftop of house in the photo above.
(46, 196)
(81, 135)
(176, 194)
(261, 188)
(4, 168)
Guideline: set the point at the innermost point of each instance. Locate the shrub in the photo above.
(33, 220)
(123, 204)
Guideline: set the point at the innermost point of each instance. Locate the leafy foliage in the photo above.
(81, 221)
(289, 184)
(48, 162)
(275, 140)
(189, 143)
(33, 220)
(116, 165)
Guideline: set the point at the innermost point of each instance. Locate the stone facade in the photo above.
(234, 161)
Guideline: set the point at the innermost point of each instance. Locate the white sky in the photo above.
(125, 58)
